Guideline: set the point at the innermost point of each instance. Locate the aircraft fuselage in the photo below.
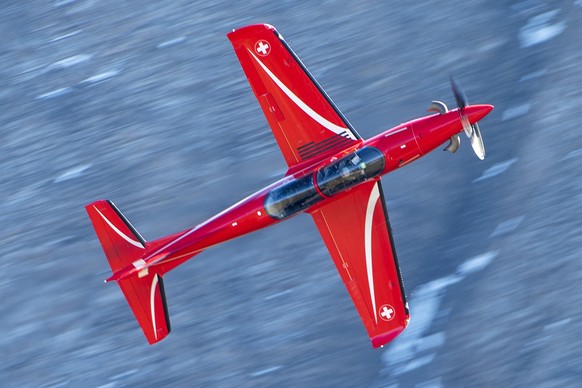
(306, 189)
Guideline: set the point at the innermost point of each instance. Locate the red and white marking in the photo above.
(302, 105)
(387, 312)
(263, 48)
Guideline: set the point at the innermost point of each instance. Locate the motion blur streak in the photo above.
(144, 102)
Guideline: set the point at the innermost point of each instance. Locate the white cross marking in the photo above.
(387, 313)
(262, 48)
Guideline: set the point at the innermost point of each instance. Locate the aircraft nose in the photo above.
(477, 112)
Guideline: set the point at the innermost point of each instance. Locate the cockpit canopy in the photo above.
(299, 194)
(350, 170)
(292, 197)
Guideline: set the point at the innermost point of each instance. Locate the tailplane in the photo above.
(124, 246)
(147, 300)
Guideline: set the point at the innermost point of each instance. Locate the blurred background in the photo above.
(145, 103)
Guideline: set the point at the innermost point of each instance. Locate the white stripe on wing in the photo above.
(374, 196)
(303, 106)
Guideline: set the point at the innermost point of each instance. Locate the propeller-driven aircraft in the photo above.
(334, 176)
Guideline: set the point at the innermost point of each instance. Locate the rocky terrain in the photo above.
(145, 103)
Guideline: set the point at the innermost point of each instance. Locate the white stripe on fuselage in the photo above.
(374, 196)
(395, 132)
(303, 106)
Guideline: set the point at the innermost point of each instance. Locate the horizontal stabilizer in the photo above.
(147, 300)
(121, 243)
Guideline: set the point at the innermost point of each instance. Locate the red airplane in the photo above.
(334, 175)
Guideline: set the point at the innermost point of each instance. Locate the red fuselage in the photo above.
(305, 188)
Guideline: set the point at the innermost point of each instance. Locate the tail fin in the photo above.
(124, 246)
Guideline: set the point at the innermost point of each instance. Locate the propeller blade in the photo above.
(471, 130)
(477, 142)
(459, 94)
(466, 125)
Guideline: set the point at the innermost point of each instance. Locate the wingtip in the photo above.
(251, 27)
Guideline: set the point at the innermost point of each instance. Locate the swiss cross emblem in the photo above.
(387, 312)
(262, 47)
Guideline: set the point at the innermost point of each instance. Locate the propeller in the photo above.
(471, 130)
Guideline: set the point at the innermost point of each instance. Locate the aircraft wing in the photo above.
(357, 233)
(305, 122)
